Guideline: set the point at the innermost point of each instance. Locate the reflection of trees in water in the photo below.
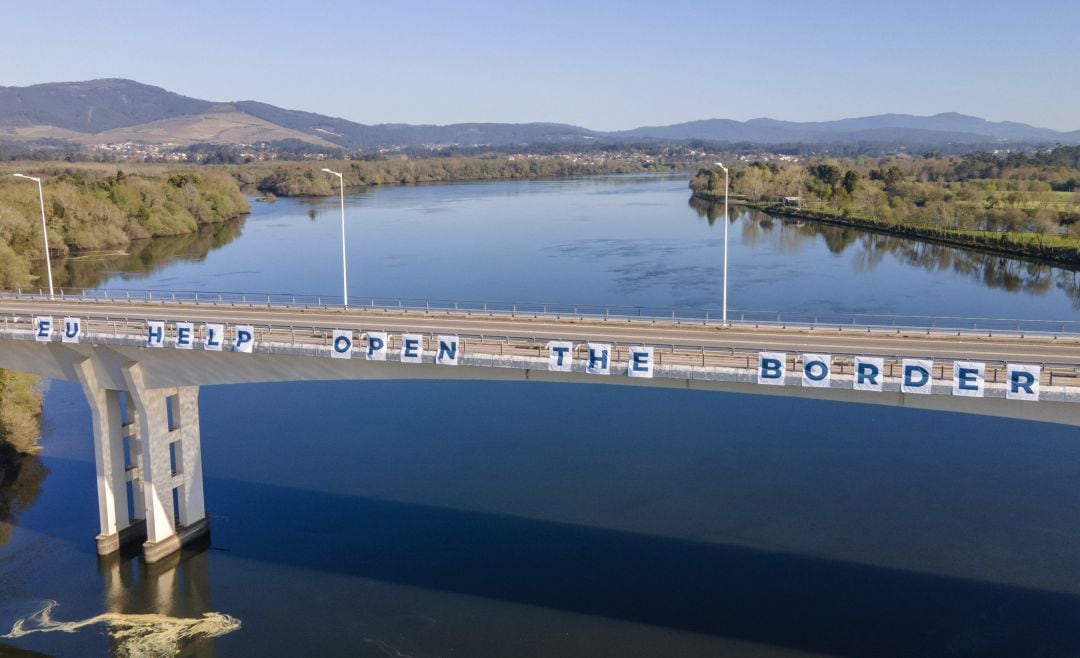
(21, 476)
(993, 271)
(88, 270)
(707, 209)
(21, 472)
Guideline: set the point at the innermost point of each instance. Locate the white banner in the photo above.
(245, 338)
(869, 374)
(342, 346)
(816, 370)
(213, 337)
(376, 346)
(640, 362)
(598, 360)
(969, 379)
(772, 368)
(446, 353)
(412, 348)
(1023, 382)
(72, 330)
(917, 376)
(560, 356)
(185, 335)
(155, 333)
(43, 328)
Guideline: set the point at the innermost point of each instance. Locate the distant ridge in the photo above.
(117, 110)
(947, 127)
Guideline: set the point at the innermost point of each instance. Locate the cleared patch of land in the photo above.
(222, 127)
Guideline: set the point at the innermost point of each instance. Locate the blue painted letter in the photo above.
(867, 374)
(1021, 380)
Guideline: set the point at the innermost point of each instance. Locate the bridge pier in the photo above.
(166, 423)
(158, 451)
(118, 528)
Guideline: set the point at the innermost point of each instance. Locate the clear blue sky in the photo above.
(603, 65)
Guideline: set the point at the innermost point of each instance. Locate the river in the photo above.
(523, 519)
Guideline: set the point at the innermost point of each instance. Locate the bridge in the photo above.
(140, 358)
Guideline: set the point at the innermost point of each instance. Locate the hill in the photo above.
(945, 128)
(115, 111)
(93, 106)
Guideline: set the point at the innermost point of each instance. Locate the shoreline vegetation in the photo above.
(1021, 206)
(89, 210)
(21, 470)
(285, 179)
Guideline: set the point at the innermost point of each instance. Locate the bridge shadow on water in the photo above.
(736, 592)
(720, 590)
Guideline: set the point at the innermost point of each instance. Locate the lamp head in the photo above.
(36, 180)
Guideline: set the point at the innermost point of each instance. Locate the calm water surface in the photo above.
(494, 519)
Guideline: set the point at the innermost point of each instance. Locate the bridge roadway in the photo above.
(1059, 351)
(144, 402)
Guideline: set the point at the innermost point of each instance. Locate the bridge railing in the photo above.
(311, 338)
(675, 315)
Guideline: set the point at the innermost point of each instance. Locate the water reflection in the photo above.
(164, 606)
(89, 270)
(871, 249)
(21, 476)
(169, 600)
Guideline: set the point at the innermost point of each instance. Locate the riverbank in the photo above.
(1048, 249)
(297, 179)
(88, 210)
(20, 427)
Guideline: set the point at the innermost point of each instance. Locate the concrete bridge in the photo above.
(140, 363)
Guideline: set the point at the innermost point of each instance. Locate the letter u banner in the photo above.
(72, 330)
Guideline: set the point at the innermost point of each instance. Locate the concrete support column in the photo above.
(167, 426)
(116, 526)
(134, 460)
(188, 455)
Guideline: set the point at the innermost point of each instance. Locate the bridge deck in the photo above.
(676, 343)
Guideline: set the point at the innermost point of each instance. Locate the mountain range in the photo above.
(116, 111)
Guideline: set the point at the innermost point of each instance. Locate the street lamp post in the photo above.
(344, 274)
(724, 296)
(44, 231)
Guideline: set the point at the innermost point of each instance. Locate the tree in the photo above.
(851, 181)
(828, 174)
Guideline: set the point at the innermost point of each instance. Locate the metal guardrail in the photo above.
(697, 316)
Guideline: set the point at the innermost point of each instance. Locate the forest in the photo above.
(305, 179)
(88, 209)
(1023, 203)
